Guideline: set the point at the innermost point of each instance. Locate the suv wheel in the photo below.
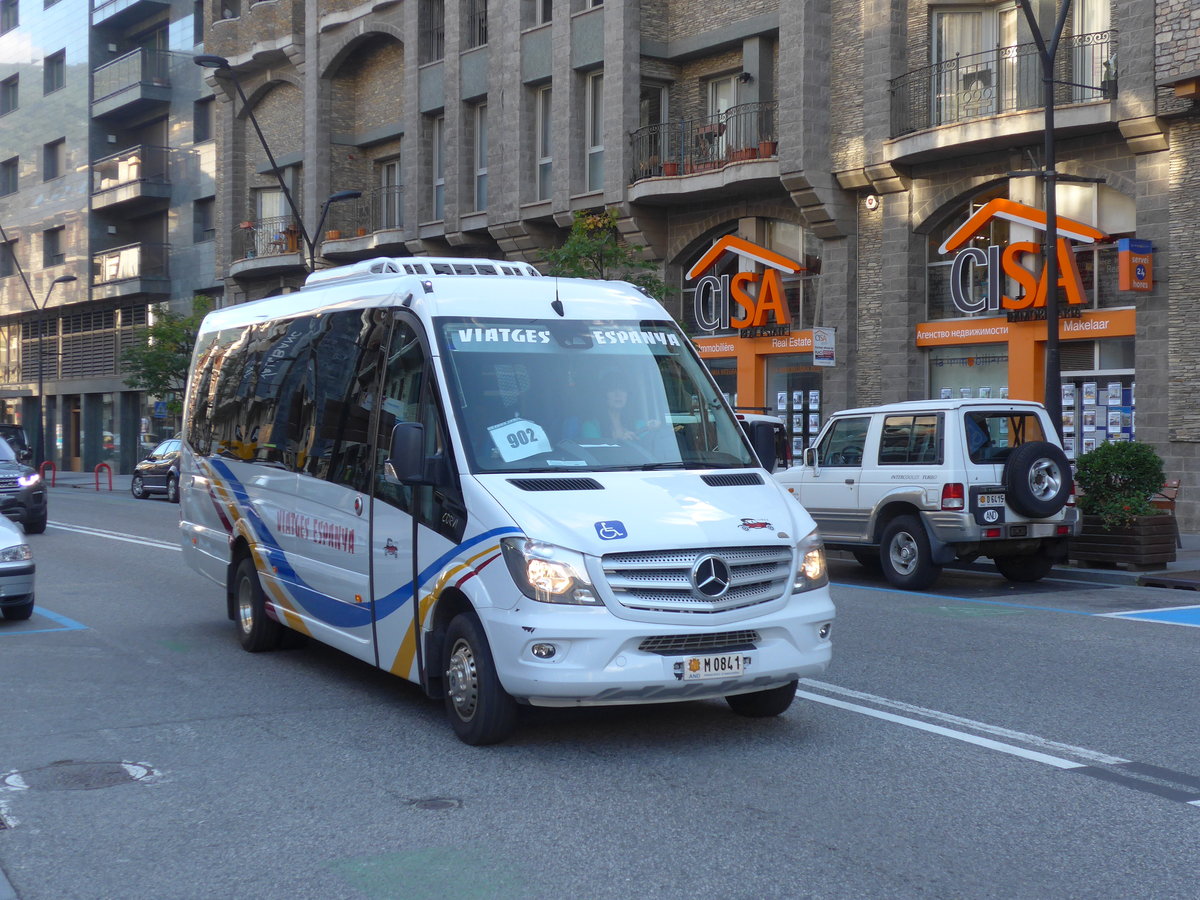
(1024, 569)
(137, 487)
(172, 489)
(1037, 479)
(906, 557)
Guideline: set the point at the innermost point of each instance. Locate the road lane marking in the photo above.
(1148, 779)
(1055, 747)
(115, 536)
(64, 623)
(1169, 615)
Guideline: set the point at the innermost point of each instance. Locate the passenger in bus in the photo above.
(614, 421)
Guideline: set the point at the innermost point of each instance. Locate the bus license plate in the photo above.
(717, 665)
(991, 499)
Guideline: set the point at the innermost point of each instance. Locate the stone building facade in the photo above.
(854, 137)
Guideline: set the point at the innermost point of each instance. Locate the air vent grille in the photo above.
(732, 479)
(556, 484)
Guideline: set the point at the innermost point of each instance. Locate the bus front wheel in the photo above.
(480, 710)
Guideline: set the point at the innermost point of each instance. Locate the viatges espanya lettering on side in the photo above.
(319, 531)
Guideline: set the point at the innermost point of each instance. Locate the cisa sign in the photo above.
(1006, 265)
(758, 296)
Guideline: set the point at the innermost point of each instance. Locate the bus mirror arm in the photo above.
(406, 463)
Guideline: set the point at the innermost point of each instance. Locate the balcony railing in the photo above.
(1007, 79)
(743, 132)
(130, 261)
(143, 163)
(135, 67)
(273, 236)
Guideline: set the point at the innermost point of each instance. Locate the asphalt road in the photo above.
(985, 740)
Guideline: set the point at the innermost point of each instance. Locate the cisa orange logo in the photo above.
(1000, 263)
(758, 294)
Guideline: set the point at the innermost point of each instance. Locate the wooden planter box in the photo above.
(1149, 543)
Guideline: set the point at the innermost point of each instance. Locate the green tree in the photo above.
(157, 362)
(595, 249)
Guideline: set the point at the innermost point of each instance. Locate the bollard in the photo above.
(108, 469)
(53, 471)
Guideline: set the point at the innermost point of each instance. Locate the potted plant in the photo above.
(767, 148)
(333, 234)
(1121, 526)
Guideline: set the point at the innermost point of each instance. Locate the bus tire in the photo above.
(256, 630)
(764, 704)
(480, 710)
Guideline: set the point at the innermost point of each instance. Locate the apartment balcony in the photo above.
(722, 155)
(133, 83)
(132, 181)
(267, 247)
(275, 26)
(120, 13)
(365, 228)
(990, 100)
(132, 270)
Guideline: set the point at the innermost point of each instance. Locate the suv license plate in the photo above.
(991, 499)
(717, 665)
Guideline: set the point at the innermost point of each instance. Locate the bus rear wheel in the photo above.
(256, 630)
(479, 709)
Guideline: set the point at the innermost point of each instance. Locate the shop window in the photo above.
(980, 370)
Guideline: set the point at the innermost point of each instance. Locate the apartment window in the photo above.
(54, 72)
(971, 76)
(438, 163)
(8, 257)
(481, 156)
(595, 131)
(9, 15)
(202, 119)
(475, 24)
(203, 228)
(543, 11)
(52, 247)
(198, 22)
(431, 27)
(387, 213)
(54, 159)
(8, 94)
(545, 161)
(8, 176)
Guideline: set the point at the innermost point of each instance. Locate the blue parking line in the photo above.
(64, 624)
(1174, 615)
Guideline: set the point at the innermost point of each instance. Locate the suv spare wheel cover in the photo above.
(1037, 478)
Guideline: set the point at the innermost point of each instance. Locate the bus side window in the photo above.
(400, 402)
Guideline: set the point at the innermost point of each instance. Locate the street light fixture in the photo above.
(337, 197)
(40, 446)
(220, 66)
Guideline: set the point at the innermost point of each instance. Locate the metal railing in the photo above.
(1006, 79)
(143, 163)
(273, 236)
(135, 67)
(743, 132)
(130, 261)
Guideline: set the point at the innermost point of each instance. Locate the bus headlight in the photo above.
(810, 568)
(548, 573)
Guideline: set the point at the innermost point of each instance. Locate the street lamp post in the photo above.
(221, 67)
(40, 446)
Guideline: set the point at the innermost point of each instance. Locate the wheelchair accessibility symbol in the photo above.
(611, 531)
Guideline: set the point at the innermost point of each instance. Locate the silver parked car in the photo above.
(16, 573)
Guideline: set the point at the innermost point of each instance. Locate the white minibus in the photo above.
(507, 488)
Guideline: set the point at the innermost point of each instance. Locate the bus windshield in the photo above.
(538, 396)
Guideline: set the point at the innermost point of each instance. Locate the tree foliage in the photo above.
(595, 249)
(157, 362)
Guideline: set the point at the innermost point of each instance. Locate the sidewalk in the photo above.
(1184, 573)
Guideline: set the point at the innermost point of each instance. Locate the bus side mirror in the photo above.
(762, 438)
(406, 456)
(810, 457)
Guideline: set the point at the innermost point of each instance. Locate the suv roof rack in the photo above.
(420, 265)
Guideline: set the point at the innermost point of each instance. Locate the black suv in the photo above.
(18, 440)
(158, 473)
(22, 493)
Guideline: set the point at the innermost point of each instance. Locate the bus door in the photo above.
(409, 395)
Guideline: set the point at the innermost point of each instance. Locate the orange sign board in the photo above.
(758, 294)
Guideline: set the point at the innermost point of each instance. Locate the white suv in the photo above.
(910, 487)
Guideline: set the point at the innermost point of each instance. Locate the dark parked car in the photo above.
(22, 493)
(158, 473)
(18, 440)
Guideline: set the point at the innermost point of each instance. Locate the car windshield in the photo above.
(584, 396)
(6, 452)
(992, 434)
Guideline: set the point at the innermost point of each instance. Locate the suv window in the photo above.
(909, 440)
(991, 436)
(843, 443)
